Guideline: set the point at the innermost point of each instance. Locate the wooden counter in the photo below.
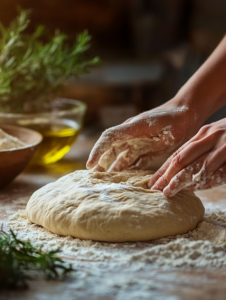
(168, 284)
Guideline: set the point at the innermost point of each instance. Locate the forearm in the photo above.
(205, 91)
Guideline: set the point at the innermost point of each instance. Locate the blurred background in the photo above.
(149, 48)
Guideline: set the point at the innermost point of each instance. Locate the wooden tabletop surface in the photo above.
(167, 284)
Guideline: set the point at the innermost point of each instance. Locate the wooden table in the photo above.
(168, 284)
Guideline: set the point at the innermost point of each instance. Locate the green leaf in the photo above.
(18, 258)
(31, 71)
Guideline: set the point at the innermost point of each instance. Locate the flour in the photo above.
(115, 149)
(195, 176)
(169, 110)
(9, 142)
(123, 153)
(202, 247)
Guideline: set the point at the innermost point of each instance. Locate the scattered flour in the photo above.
(203, 247)
(9, 142)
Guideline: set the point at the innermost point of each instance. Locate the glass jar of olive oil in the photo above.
(59, 128)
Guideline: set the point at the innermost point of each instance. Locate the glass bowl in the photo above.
(59, 128)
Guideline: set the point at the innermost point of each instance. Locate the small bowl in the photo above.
(59, 126)
(13, 162)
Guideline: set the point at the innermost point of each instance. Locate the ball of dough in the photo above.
(112, 207)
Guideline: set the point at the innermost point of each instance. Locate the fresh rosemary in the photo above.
(32, 71)
(18, 260)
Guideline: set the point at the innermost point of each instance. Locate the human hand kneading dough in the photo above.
(200, 162)
(138, 141)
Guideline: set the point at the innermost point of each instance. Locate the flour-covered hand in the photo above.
(140, 141)
(198, 164)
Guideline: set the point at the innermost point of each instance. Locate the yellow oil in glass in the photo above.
(58, 138)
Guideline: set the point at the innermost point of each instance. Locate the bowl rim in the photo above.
(39, 137)
(81, 108)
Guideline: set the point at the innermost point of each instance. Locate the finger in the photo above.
(213, 166)
(217, 179)
(152, 183)
(200, 174)
(184, 157)
(113, 161)
(124, 161)
(192, 174)
(99, 148)
(135, 128)
(107, 159)
(164, 167)
(104, 143)
(145, 162)
(119, 133)
(139, 148)
(153, 160)
(98, 168)
(141, 163)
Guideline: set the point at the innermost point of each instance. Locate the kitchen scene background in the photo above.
(148, 48)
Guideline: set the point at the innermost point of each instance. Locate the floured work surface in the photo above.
(171, 268)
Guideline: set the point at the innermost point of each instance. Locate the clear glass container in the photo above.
(59, 128)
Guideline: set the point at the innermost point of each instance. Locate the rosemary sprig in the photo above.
(32, 71)
(19, 259)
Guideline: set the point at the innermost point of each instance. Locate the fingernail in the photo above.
(168, 192)
(154, 187)
(88, 165)
(97, 168)
(149, 185)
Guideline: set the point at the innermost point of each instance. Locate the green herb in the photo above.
(18, 259)
(32, 71)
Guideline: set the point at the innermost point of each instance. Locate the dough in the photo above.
(8, 141)
(112, 207)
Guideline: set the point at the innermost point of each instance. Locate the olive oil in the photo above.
(58, 137)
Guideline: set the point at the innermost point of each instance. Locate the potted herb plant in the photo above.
(32, 73)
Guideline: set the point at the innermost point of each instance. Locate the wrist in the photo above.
(191, 110)
(197, 100)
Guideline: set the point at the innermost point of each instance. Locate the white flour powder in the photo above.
(202, 247)
(9, 142)
(129, 150)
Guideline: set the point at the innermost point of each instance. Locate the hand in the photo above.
(198, 164)
(141, 140)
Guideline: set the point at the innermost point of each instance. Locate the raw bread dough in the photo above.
(112, 207)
